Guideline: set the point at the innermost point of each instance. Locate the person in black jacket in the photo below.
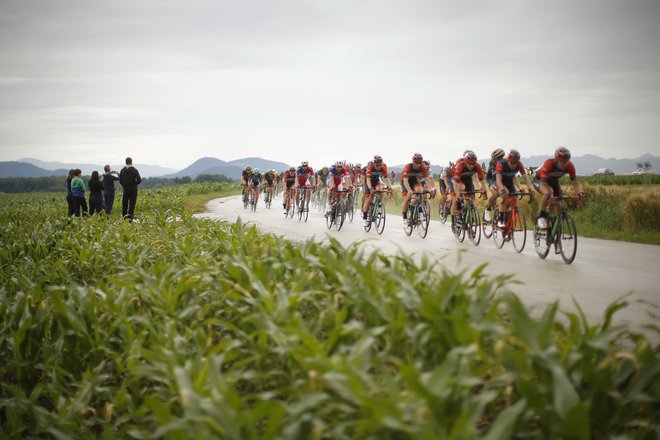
(129, 179)
(69, 193)
(109, 179)
(95, 193)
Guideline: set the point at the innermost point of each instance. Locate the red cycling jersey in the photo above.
(549, 170)
(461, 172)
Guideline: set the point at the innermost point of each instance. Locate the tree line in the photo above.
(56, 183)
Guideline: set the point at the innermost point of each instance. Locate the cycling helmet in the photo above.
(248, 168)
(427, 163)
(358, 165)
(514, 156)
(271, 170)
(340, 163)
(467, 151)
(325, 169)
(470, 157)
(417, 158)
(497, 154)
(256, 170)
(304, 163)
(292, 168)
(563, 154)
(378, 159)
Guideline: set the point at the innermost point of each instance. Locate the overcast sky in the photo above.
(168, 82)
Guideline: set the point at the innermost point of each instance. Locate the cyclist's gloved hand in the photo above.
(582, 195)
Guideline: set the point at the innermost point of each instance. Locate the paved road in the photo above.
(602, 271)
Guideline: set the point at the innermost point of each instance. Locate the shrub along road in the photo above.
(602, 272)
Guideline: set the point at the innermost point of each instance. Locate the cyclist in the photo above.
(547, 181)
(245, 178)
(505, 173)
(289, 179)
(495, 156)
(270, 178)
(338, 177)
(466, 167)
(411, 181)
(322, 176)
(375, 176)
(446, 185)
(255, 185)
(304, 178)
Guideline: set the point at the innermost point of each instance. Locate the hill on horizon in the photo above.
(232, 169)
(62, 168)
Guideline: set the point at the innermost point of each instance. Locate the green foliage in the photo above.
(634, 180)
(175, 327)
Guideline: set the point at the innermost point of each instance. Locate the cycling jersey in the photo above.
(255, 178)
(303, 174)
(321, 177)
(490, 173)
(270, 178)
(289, 177)
(504, 168)
(414, 175)
(246, 175)
(549, 170)
(337, 175)
(374, 175)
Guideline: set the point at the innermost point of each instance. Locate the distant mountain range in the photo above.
(233, 169)
(586, 165)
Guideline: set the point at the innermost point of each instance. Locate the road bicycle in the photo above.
(467, 218)
(351, 203)
(322, 198)
(337, 214)
(246, 196)
(254, 198)
(376, 211)
(289, 207)
(444, 210)
(303, 202)
(268, 198)
(561, 231)
(419, 214)
(515, 228)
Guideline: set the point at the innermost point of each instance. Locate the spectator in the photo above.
(129, 179)
(95, 193)
(78, 190)
(109, 179)
(69, 194)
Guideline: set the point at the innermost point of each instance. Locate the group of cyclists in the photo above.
(456, 181)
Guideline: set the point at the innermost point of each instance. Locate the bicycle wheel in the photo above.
(487, 225)
(457, 226)
(330, 216)
(371, 216)
(567, 238)
(499, 234)
(380, 217)
(255, 199)
(474, 226)
(341, 215)
(518, 230)
(245, 199)
(542, 241)
(292, 206)
(306, 209)
(349, 209)
(408, 227)
(443, 212)
(423, 215)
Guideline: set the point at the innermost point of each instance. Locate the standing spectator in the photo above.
(69, 194)
(95, 193)
(109, 179)
(78, 190)
(129, 179)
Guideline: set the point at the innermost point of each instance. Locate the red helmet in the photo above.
(417, 158)
(470, 157)
(514, 156)
(563, 154)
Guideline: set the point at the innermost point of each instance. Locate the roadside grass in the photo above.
(177, 327)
